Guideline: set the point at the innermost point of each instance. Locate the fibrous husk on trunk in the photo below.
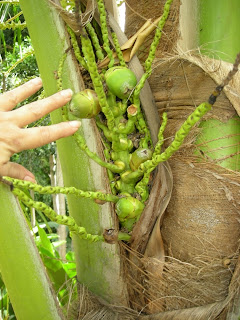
(138, 12)
(200, 228)
(198, 277)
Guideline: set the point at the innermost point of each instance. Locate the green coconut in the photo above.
(85, 104)
(139, 156)
(129, 211)
(120, 81)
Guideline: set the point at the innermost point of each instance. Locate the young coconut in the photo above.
(120, 81)
(139, 156)
(129, 211)
(85, 104)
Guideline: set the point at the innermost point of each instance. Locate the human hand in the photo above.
(15, 138)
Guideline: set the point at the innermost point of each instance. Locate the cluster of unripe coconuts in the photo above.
(85, 104)
(120, 82)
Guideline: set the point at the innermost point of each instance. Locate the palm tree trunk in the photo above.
(21, 267)
(62, 232)
(218, 38)
(199, 208)
(98, 264)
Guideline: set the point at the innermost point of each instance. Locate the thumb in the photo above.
(15, 170)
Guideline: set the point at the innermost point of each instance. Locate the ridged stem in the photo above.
(152, 51)
(96, 80)
(82, 145)
(104, 29)
(63, 190)
(95, 41)
(53, 216)
(118, 50)
(148, 166)
(76, 49)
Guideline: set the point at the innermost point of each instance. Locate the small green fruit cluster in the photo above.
(129, 211)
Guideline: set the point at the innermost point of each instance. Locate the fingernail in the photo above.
(37, 81)
(66, 93)
(75, 124)
(31, 179)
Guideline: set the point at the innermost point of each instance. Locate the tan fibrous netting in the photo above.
(138, 12)
(200, 228)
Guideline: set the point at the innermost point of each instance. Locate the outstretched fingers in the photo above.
(15, 138)
(16, 171)
(37, 137)
(10, 99)
(36, 110)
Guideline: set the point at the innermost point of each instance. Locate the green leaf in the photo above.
(70, 256)
(1, 281)
(4, 301)
(49, 259)
(54, 267)
(70, 269)
(45, 242)
(70, 265)
(57, 244)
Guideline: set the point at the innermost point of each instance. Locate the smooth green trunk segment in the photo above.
(219, 38)
(219, 28)
(21, 266)
(220, 142)
(98, 264)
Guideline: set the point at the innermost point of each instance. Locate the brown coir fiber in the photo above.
(200, 228)
(138, 12)
(199, 278)
(157, 293)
